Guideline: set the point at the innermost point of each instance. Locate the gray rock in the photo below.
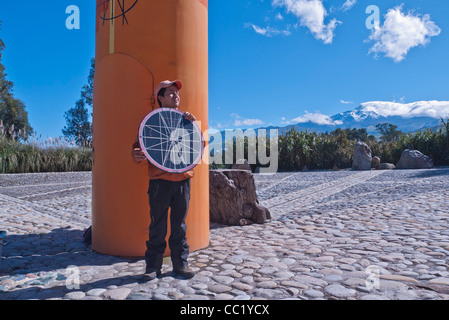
(386, 285)
(267, 284)
(139, 296)
(223, 279)
(413, 159)
(267, 270)
(372, 297)
(241, 164)
(313, 293)
(233, 198)
(235, 259)
(195, 297)
(440, 280)
(96, 292)
(375, 162)
(242, 286)
(386, 166)
(362, 157)
(339, 291)
(117, 294)
(199, 286)
(307, 280)
(160, 296)
(219, 288)
(75, 295)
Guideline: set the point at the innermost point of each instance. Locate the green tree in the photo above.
(388, 132)
(357, 134)
(78, 126)
(352, 134)
(13, 116)
(88, 90)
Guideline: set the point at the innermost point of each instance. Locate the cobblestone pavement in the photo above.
(333, 235)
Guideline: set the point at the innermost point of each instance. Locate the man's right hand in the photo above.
(138, 155)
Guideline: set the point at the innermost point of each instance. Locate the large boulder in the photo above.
(362, 157)
(241, 164)
(233, 199)
(413, 159)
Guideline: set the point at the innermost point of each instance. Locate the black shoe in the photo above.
(151, 274)
(184, 272)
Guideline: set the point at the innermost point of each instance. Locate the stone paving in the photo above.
(333, 235)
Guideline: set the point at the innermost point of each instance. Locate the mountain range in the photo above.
(409, 117)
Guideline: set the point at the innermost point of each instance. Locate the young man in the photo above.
(167, 190)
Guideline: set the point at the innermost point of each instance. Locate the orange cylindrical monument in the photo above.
(140, 43)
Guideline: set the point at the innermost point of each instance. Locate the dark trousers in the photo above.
(162, 195)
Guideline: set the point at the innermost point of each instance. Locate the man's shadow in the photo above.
(58, 249)
(51, 257)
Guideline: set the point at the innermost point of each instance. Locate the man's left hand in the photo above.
(189, 116)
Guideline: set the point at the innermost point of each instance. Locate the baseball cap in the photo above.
(168, 83)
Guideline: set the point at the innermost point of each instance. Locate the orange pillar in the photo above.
(138, 45)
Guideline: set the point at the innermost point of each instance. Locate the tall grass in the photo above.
(298, 150)
(33, 155)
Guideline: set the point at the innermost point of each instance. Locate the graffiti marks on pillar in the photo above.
(118, 9)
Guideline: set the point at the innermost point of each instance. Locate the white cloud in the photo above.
(279, 16)
(433, 109)
(240, 122)
(346, 102)
(248, 122)
(317, 118)
(311, 14)
(401, 32)
(268, 31)
(348, 4)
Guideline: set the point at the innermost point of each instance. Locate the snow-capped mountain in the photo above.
(407, 117)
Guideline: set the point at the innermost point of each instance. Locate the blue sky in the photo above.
(271, 62)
